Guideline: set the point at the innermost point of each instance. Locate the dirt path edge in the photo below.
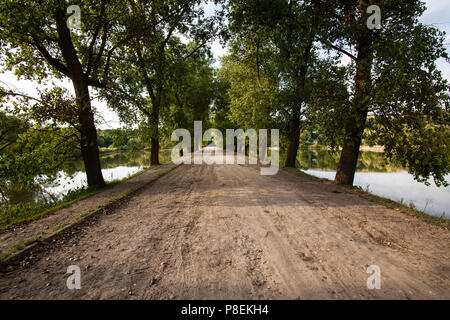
(33, 244)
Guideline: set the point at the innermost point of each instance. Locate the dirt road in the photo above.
(215, 232)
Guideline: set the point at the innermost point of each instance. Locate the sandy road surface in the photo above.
(227, 232)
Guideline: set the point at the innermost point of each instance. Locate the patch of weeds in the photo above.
(13, 214)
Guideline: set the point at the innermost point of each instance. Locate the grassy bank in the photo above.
(410, 211)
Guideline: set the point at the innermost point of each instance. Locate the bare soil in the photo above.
(226, 232)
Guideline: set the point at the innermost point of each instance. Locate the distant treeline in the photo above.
(120, 139)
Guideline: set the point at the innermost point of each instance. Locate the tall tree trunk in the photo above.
(154, 153)
(356, 122)
(294, 125)
(88, 132)
(350, 151)
(294, 140)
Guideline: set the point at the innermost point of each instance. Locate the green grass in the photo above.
(11, 215)
(19, 213)
(410, 210)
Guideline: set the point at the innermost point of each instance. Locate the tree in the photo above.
(28, 158)
(396, 81)
(155, 50)
(220, 109)
(10, 129)
(281, 36)
(252, 101)
(192, 91)
(36, 43)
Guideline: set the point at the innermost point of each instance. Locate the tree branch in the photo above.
(95, 36)
(55, 63)
(329, 44)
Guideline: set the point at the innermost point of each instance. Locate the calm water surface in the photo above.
(382, 179)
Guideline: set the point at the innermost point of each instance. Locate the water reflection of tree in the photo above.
(328, 160)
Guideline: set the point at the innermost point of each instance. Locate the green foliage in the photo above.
(253, 103)
(16, 213)
(29, 158)
(36, 43)
(273, 64)
(190, 94)
(424, 150)
(284, 64)
(147, 77)
(328, 160)
(220, 109)
(34, 160)
(31, 32)
(330, 103)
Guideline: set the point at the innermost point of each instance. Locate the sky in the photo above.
(437, 14)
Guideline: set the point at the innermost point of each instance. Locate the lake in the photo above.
(382, 179)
